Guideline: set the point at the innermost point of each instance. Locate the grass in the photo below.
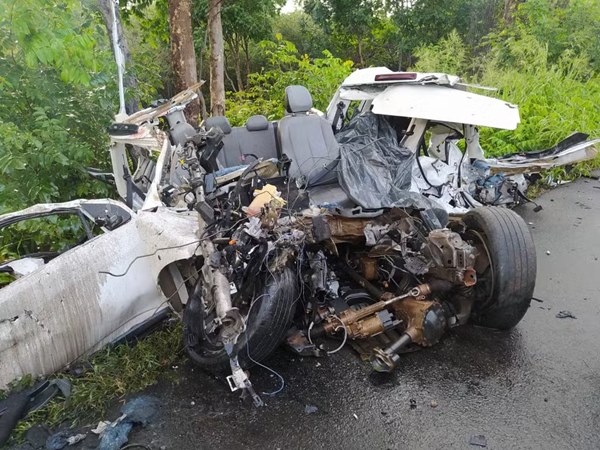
(111, 374)
(563, 174)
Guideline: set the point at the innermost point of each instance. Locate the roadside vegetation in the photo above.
(109, 374)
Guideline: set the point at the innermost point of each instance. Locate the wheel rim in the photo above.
(484, 267)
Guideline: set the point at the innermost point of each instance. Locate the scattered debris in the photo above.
(63, 439)
(19, 404)
(565, 315)
(37, 436)
(479, 440)
(101, 427)
(140, 410)
(310, 409)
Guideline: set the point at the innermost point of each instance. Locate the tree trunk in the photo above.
(129, 79)
(360, 53)
(183, 56)
(238, 65)
(234, 50)
(510, 7)
(246, 46)
(217, 67)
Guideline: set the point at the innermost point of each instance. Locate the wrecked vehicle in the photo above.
(439, 118)
(291, 231)
(72, 298)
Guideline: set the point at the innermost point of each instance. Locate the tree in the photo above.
(57, 86)
(352, 20)
(217, 58)
(301, 29)
(183, 56)
(426, 22)
(245, 21)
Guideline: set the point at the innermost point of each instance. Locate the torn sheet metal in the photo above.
(442, 104)
(72, 306)
(88, 207)
(521, 164)
(363, 77)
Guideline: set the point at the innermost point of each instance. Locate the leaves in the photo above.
(58, 107)
(286, 66)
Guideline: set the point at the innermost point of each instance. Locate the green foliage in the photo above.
(45, 38)
(301, 29)
(573, 25)
(59, 102)
(426, 22)
(285, 66)
(54, 233)
(111, 373)
(554, 99)
(449, 55)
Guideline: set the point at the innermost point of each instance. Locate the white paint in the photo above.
(68, 308)
(443, 104)
(364, 77)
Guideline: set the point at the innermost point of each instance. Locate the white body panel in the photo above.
(443, 104)
(69, 307)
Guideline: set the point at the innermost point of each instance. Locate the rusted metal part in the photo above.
(373, 291)
(451, 258)
(423, 330)
(368, 267)
(300, 344)
(425, 323)
(345, 229)
(364, 322)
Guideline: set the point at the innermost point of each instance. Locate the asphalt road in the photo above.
(535, 387)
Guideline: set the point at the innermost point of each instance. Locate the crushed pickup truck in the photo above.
(314, 230)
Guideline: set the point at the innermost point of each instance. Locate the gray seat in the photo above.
(225, 158)
(256, 139)
(308, 140)
(241, 145)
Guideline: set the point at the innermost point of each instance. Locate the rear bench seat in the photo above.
(242, 145)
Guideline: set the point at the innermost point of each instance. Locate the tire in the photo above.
(513, 266)
(266, 327)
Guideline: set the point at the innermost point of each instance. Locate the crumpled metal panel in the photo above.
(71, 307)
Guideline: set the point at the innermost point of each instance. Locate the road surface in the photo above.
(535, 387)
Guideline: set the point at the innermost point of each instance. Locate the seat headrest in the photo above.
(257, 123)
(297, 99)
(219, 122)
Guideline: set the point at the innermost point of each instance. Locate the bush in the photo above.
(265, 91)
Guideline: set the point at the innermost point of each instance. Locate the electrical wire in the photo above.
(197, 241)
(274, 372)
(331, 352)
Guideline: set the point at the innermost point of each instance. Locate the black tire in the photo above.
(270, 318)
(513, 267)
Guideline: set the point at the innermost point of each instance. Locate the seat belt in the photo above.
(283, 161)
(338, 114)
(277, 142)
